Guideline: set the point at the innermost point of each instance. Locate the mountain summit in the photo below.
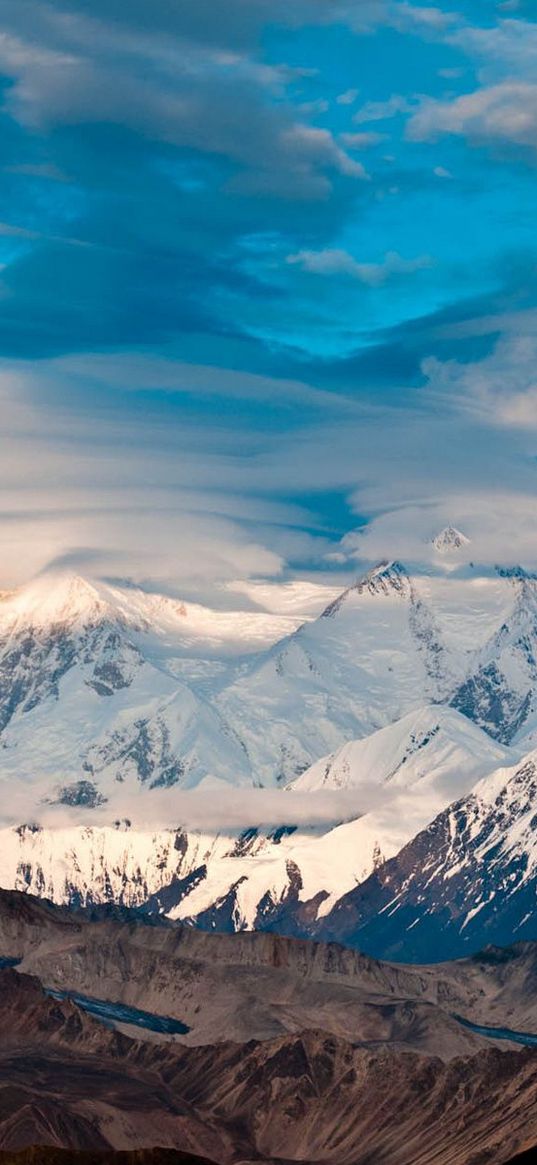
(450, 539)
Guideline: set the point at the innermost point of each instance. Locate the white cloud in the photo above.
(340, 262)
(501, 113)
(505, 50)
(197, 504)
(214, 807)
(500, 523)
(501, 389)
(410, 17)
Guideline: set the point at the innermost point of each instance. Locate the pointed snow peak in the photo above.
(450, 539)
(386, 578)
(57, 597)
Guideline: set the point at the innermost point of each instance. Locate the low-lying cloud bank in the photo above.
(209, 809)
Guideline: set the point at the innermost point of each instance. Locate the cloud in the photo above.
(383, 110)
(502, 389)
(339, 262)
(178, 397)
(360, 141)
(200, 99)
(504, 113)
(500, 523)
(411, 17)
(505, 50)
(213, 807)
(167, 486)
(195, 501)
(348, 97)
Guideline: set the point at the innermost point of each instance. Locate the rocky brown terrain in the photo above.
(68, 1081)
(260, 986)
(46, 1155)
(293, 1051)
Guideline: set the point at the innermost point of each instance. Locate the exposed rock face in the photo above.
(499, 691)
(468, 880)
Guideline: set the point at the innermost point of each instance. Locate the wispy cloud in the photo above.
(216, 311)
(338, 262)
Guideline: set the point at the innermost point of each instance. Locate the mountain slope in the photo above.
(469, 879)
(500, 692)
(371, 656)
(396, 640)
(65, 1080)
(434, 745)
(260, 877)
(113, 698)
(89, 693)
(387, 1074)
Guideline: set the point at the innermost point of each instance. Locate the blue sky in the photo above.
(268, 278)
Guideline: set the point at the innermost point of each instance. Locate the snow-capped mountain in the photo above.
(110, 685)
(96, 689)
(87, 698)
(500, 691)
(449, 540)
(374, 654)
(252, 878)
(410, 685)
(396, 640)
(468, 880)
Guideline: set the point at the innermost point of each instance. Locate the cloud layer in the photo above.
(267, 278)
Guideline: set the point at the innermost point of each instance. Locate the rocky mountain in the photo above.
(65, 1080)
(290, 1050)
(257, 986)
(468, 879)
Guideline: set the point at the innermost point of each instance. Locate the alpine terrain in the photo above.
(393, 715)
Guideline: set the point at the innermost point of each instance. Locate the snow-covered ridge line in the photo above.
(246, 878)
(103, 685)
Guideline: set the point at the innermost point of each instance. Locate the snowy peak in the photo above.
(450, 540)
(54, 600)
(386, 578)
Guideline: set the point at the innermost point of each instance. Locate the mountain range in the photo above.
(394, 729)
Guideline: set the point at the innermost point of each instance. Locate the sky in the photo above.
(268, 285)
